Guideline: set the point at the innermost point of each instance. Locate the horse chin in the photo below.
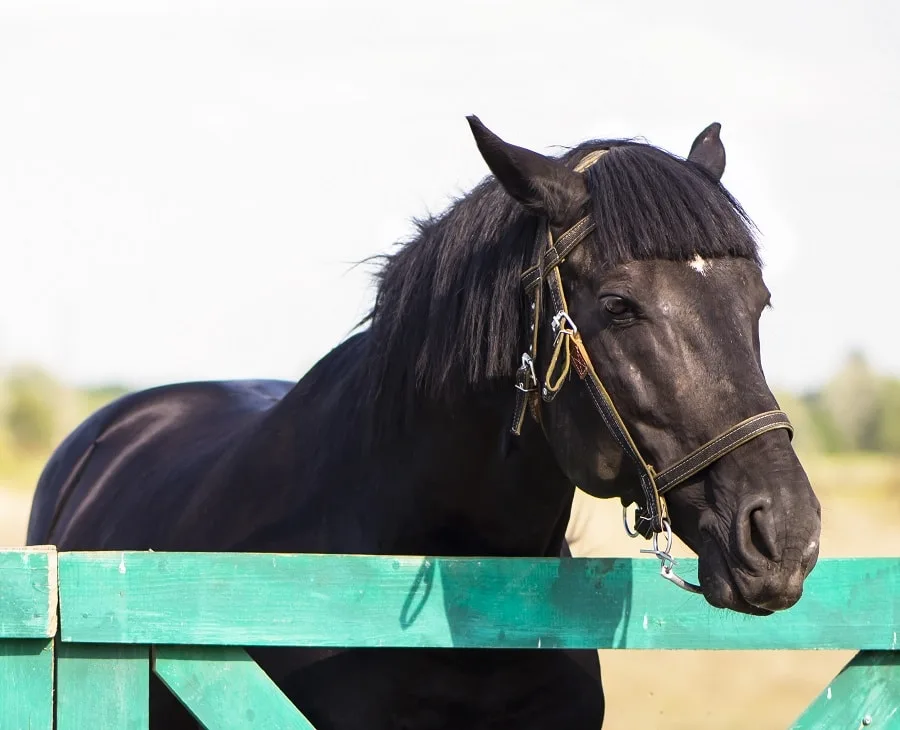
(720, 587)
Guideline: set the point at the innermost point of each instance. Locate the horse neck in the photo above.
(471, 487)
(452, 481)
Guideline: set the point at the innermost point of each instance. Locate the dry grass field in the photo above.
(694, 690)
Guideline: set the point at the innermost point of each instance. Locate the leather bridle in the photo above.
(651, 518)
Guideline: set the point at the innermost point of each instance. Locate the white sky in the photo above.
(184, 187)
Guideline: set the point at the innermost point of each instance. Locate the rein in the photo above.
(651, 518)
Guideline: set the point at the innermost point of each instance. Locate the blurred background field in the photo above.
(847, 432)
(848, 437)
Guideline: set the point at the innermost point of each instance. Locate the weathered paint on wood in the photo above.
(369, 601)
(26, 684)
(102, 686)
(225, 689)
(28, 592)
(866, 694)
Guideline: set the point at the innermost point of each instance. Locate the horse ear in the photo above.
(708, 150)
(541, 184)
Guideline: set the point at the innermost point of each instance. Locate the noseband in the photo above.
(651, 517)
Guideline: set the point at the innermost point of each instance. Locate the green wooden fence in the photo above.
(80, 632)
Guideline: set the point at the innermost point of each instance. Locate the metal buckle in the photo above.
(557, 325)
(526, 379)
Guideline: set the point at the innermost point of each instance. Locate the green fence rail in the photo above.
(80, 632)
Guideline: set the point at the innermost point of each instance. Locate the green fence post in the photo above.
(865, 694)
(28, 601)
(102, 686)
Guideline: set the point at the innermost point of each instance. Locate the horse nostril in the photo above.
(757, 536)
(762, 533)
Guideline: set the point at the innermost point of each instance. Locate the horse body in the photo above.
(399, 440)
(262, 466)
(165, 437)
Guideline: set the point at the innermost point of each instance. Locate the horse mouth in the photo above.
(720, 585)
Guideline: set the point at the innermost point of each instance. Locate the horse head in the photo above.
(640, 358)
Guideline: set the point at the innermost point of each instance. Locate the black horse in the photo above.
(399, 440)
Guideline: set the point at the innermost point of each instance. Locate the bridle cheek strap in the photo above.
(569, 350)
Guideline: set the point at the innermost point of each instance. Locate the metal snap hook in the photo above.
(526, 378)
(667, 562)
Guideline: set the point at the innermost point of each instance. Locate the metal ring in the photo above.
(670, 540)
(628, 530)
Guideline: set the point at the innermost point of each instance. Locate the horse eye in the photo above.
(616, 306)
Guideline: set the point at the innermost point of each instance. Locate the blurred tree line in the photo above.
(857, 410)
(36, 413)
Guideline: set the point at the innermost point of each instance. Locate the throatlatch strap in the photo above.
(519, 411)
(716, 448)
(526, 378)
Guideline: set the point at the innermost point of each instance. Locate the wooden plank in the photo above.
(370, 601)
(225, 689)
(866, 693)
(28, 592)
(26, 684)
(102, 686)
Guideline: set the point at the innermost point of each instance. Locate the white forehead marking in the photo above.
(699, 264)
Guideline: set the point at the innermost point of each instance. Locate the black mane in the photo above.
(448, 317)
